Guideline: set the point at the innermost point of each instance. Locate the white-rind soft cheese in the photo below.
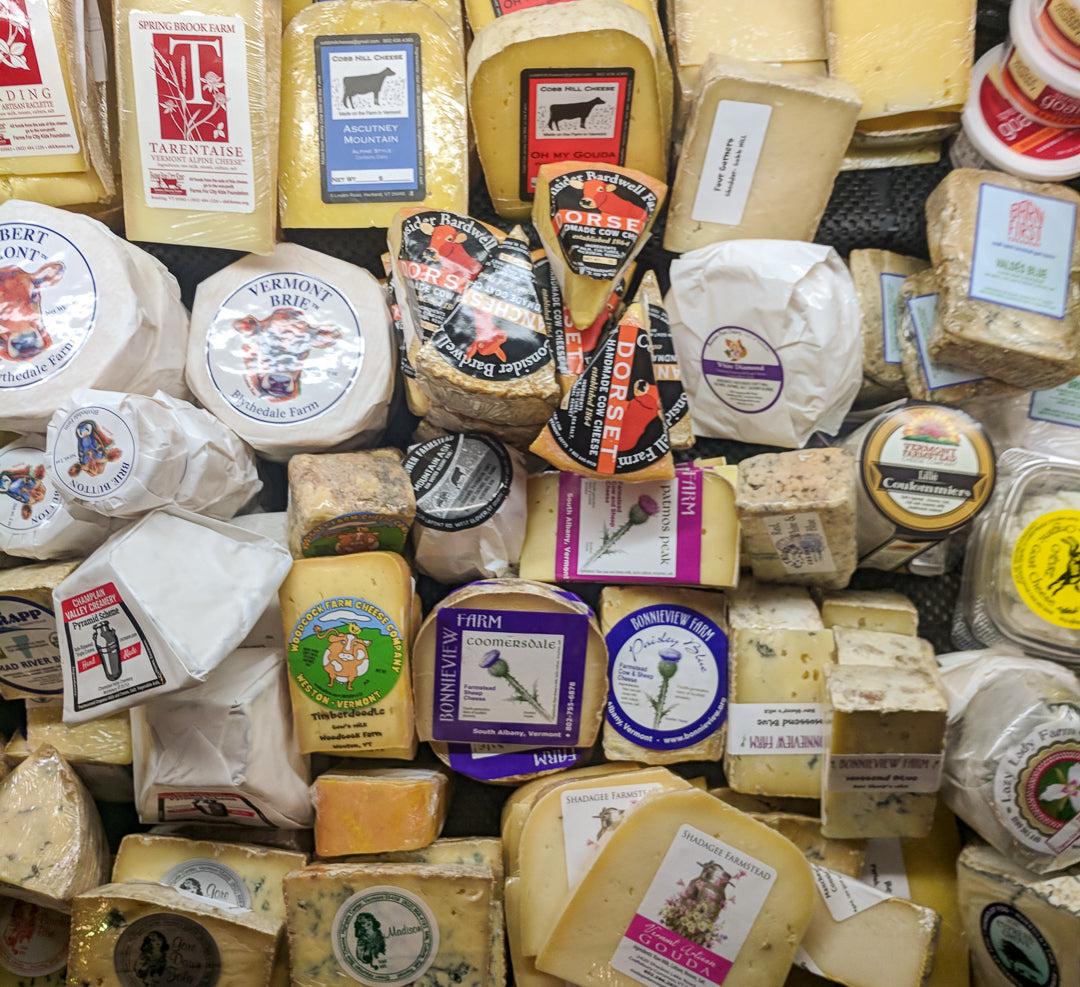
(80, 310)
(294, 352)
(158, 607)
(121, 455)
(228, 741)
(786, 307)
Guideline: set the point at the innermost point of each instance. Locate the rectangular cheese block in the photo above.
(294, 840)
(681, 638)
(757, 30)
(777, 119)
(121, 932)
(103, 741)
(532, 75)
(1021, 927)
(723, 858)
(797, 513)
(779, 649)
(372, 115)
(199, 121)
(870, 610)
(855, 646)
(877, 275)
(373, 810)
(884, 735)
(868, 159)
(1000, 313)
(230, 873)
(350, 688)
(442, 914)
(902, 57)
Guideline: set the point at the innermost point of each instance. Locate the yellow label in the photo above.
(1046, 567)
(1066, 18)
(1026, 80)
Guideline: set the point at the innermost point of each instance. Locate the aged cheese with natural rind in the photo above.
(757, 30)
(359, 674)
(339, 62)
(588, 941)
(870, 610)
(845, 856)
(780, 116)
(856, 646)
(745, 802)
(106, 740)
(521, 71)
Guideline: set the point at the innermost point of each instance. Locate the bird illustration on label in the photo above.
(94, 449)
(23, 484)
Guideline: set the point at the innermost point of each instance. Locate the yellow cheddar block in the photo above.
(448, 10)
(347, 622)
(378, 810)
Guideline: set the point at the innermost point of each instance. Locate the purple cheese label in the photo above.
(494, 762)
(742, 369)
(633, 532)
(507, 677)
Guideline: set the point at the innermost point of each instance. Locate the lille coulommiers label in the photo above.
(385, 937)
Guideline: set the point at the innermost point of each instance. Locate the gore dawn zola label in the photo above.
(668, 671)
(507, 677)
(697, 914)
(370, 113)
(166, 948)
(385, 937)
(211, 879)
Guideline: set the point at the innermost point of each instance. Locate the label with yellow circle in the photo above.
(1046, 567)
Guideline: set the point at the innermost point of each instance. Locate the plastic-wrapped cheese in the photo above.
(158, 607)
(79, 310)
(470, 507)
(293, 351)
(224, 750)
(34, 520)
(768, 338)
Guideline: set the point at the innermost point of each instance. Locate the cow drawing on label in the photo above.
(23, 335)
(276, 348)
(489, 337)
(346, 657)
(23, 484)
(564, 112)
(356, 541)
(694, 911)
(603, 197)
(445, 248)
(363, 85)
(108, 648)
(94, 449)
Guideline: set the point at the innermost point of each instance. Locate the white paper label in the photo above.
(1059, 405)
(775, 728)
(738, 132)
(883, 867)
(191, 102)
(590, 816)
(802, 959)
(890, 321)
(843, 896)
(800, 543)
(697, 914)
(923, 310)
(910, 773)
(211, 879)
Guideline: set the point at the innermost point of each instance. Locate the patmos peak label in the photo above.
(612, 423)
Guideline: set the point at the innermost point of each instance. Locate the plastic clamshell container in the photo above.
(1038, 83)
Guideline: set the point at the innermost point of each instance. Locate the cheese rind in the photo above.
(844, 856)
(855, 646)
(881, 610)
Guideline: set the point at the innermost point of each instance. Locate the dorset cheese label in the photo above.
(163, 947)
(345, 654)
(385, 937)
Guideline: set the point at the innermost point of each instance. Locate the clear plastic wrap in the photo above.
(1012, 755)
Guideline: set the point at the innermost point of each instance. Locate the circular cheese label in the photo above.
(33, 940)
(284, 348)
(29, 647)
(360, 531)
(165, 948)
(209, 879)
(928, 468)
(742, 369)
(668, 671)
(48, 303)
(1037, 788)
(460, 481)
(1017, 947)
(385, 937)
(345, 653)
(94, 453)
(27, 500)
(1046, 567)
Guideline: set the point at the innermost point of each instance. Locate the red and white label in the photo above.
(1020, 133)
(35, 116)
(191, 99)
(209, 806)
(33, 940)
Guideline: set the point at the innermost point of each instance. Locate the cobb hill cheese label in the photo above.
(35, 115)
(371, 119)
(611, 422)
(191, 102)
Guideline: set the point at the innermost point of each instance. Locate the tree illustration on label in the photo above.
(23, 485)
(94, 449)
(275, 350)
(641, 510)
(666, 667)
(108, 648)
(498, 668)
(694, 911)
(191, 87)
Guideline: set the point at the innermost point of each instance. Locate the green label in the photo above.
(386, 937)
(362, 531)
(346, 653)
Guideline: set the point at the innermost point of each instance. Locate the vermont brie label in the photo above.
(29, 647)
(385, 937)
(696, 915)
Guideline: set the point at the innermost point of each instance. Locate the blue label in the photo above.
(667, 669)
(890, 316)
(370, 118)
(490, 762)
(507, 677)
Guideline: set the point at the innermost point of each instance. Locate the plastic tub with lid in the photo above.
(1057, 22)
(1038, 83)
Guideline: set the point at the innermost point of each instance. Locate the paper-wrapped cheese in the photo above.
(293, 351)
(470, 507)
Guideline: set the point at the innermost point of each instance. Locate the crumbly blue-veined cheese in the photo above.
(54, 842)
(844, 856)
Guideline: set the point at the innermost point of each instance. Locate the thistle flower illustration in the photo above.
(667, 667)
(496, 666)
(643, 509)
